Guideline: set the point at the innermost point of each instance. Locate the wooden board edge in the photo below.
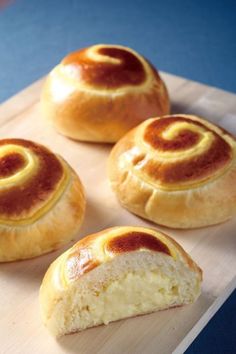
(177, 77)
(23, 99)
(203, 321)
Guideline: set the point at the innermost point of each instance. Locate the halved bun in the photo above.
(116, 273)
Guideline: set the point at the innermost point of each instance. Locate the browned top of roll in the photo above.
(107, 66)
(11, 164)
(194, 167)
(29, 178)
(95, 249)
(133, 241)
(176, 152)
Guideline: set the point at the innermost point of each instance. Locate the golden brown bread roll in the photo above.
(99, 93)
(178, 171)
(114, 274)
(42, 201)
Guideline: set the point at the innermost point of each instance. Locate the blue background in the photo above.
(194, 39)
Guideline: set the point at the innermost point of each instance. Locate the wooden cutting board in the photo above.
(213, 248)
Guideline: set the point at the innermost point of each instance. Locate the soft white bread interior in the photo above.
(114, 274)
(178, 171)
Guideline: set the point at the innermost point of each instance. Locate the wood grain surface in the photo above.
(213, 248)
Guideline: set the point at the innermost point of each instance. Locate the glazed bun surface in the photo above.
(41, 200)
(99, 93)
(114, 274)
(177, 171)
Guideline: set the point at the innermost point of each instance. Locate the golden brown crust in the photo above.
(193, 168)
(11, 164)
(27, 195)
(136, 240)
(176, 171)
(99, 248)
(41, 201)
(101, 92)
(128, 70)
(84, 287)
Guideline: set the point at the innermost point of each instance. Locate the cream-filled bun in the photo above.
(100, 92)
(42, 200)
(116, 273)
(178, 171)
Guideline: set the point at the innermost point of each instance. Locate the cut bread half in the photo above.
(114, 274)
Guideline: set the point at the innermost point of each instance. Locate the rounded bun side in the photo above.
(42, 200)
(116, 273)
(99, 93)
(176, 171)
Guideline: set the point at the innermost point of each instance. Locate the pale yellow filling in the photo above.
(133, 294)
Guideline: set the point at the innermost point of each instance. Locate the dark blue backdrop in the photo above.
(195, 39)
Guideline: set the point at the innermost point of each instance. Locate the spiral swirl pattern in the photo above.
(96, 249)
(179, 152)
(114, 272)
(101, 92)
(31, 180)
(133, 241)
(178, 171)
(108, 67)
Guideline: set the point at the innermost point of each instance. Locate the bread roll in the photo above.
(114, 274)
(99, 93)
(42, 201)
(178, 171)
